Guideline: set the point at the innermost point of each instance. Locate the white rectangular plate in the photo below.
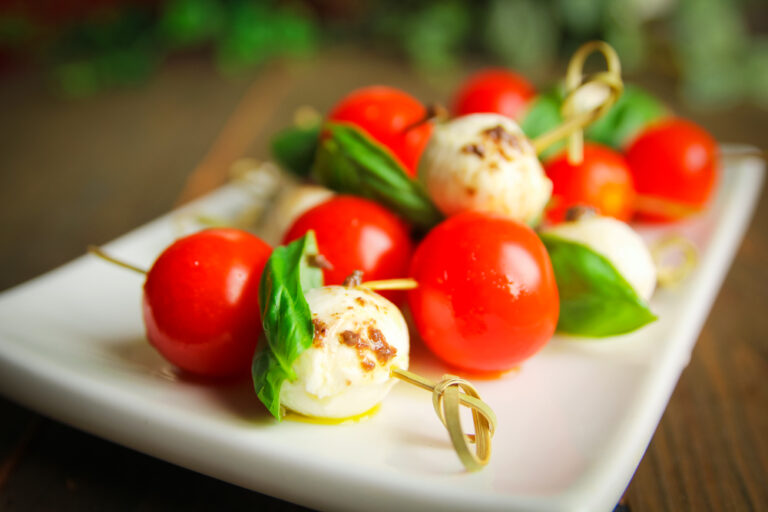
(574, 421)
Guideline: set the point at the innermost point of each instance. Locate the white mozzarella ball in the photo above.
(484, 162)
(619, 244)
(290, 204)
(359, 337)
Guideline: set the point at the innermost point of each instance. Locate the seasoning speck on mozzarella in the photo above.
(359, 337)
(484, 162)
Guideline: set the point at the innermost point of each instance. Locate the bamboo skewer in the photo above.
(574, 121)
(447, 394)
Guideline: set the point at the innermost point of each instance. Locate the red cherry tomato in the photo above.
(391, 117)
(487, 298)
(494, 90)
(674, 161)
(356, 234)
(201, 307)
(602, 180)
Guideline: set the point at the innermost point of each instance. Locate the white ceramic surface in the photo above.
(573, 422)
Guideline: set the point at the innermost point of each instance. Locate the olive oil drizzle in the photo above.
(357, 418)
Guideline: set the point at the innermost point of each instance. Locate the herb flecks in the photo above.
(321, 330)
(473, 149)
(375, 344)
(500, 135)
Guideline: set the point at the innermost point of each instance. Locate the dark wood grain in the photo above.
(710, 451)
(74, 173)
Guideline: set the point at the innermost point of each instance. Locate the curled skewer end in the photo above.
(447, 394)
(575, 119)
(671, 273)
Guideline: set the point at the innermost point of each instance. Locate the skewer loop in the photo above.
(671, 274)
(575, 117)
(447, 395)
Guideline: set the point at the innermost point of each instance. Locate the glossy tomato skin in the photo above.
(602, 180)
(674, 160)
(201, 308)
(388, 115)
(356, 234)
(498, 91)
(487, 298)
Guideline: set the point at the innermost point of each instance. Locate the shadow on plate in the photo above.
(235, 395)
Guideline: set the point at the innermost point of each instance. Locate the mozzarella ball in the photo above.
(484, 162)
(359, 337)
(618, 243)
(292, 201)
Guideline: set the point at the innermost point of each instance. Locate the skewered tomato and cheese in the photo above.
(484, 162)
(359, 336)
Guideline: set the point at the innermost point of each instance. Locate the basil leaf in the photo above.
(542, 116)
(294, 148)
(286, 317)
(350, 162)
(634, 110)
(595, 299)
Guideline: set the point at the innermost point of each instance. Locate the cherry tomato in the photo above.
(674, 161)
(390, 116)
(356, 234)
(602, 180)
(494, 90)
(201, 307)
(487, 298)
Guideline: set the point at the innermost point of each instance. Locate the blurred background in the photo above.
(716, 50)
(112, 112)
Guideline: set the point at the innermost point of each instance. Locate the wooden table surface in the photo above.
(73, 173)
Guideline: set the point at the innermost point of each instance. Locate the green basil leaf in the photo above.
(632, 112)
(542, 116)
(285, 315)
(294, 148)
(350, 162)
(595, 299)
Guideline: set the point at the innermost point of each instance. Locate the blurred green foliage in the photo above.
(709, 44)
(188, 23)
